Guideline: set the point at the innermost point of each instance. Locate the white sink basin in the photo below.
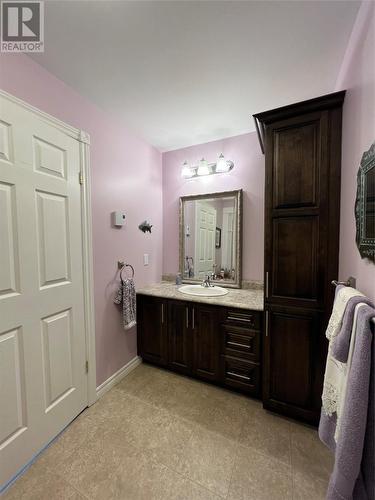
(203, 291)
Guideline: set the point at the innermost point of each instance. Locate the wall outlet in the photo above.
(145, 259)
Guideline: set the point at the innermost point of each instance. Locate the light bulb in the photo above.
(186, 171)
(222, 164)
(203, 167)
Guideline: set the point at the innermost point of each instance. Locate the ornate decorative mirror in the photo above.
(211, 238)
(365, 205)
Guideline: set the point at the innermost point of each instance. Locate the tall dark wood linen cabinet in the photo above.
(302, 146)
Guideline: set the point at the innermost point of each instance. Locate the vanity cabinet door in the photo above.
(206, 322)
(152, 329)
(294, 361)
(180, 336)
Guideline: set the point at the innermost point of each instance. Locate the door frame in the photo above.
(87, 255)
(226, 212)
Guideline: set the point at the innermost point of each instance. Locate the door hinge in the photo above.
(81, 178)
(87, 367)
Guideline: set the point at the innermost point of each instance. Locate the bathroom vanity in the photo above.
(217, 339)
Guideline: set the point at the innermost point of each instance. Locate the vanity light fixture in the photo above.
(186, 171)
(223, 165)
(205, 168)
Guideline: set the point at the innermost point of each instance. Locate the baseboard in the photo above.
(117, 376)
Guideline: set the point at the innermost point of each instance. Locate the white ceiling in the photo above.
(185, 72)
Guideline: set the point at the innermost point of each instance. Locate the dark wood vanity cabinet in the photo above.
(152, 321)
(241, 351)
(302, 145)
(209, 342)
(179, 336)
(206, 324)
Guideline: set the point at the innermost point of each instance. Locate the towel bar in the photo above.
(121, 265)
(349, 282)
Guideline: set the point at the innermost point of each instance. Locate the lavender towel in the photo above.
(353, 464)
(340, 347)
(365, 485)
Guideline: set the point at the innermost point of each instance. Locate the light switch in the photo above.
(145, 259)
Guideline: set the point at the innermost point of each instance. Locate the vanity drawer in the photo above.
(241, 374)
(241, 342)
(243, 318)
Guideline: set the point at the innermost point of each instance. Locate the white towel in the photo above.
(127, 296)
(335, 370)
(342, 297)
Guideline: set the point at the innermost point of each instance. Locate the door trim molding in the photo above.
(117, 376)
(76, 133)
(88, 281)
(88, 272)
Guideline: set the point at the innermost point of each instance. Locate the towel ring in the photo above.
(122, 266)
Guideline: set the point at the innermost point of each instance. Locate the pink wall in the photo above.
(248, 174)
(127, 175)
(357, 75)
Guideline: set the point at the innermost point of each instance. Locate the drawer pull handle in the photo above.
(246, 320)
(238, 345)
(243, 377)
(162, 314)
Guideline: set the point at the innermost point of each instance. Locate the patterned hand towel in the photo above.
(335, 370)
(343, 294)
(127, 296)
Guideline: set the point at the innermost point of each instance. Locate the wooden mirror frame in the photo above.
(366, 246)
(237, 195)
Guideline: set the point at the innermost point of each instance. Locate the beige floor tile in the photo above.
(37, 484)
(89, 466)
(208, 460)
(307, 488)
(157, 432)
(158, 435)
(268, 434)
(81, 430)
(166, 438)
(136, 478)
(150, 384)
(215, 409)
(310, 457)
(181, 488)
(258, 477)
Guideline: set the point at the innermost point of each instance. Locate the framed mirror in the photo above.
(365, 205)
(211, 238)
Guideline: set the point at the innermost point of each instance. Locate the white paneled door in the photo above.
(205, 227)
(43, 379)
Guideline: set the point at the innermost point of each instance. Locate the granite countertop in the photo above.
(239, 298)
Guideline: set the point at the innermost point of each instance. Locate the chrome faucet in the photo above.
(207, 282)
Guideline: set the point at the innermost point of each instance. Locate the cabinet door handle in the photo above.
(267, 285)
(193, 320)
(246, 320)
(238, 345)
(266, 323)
(162, 314)
(187, 317)
(243, 377)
